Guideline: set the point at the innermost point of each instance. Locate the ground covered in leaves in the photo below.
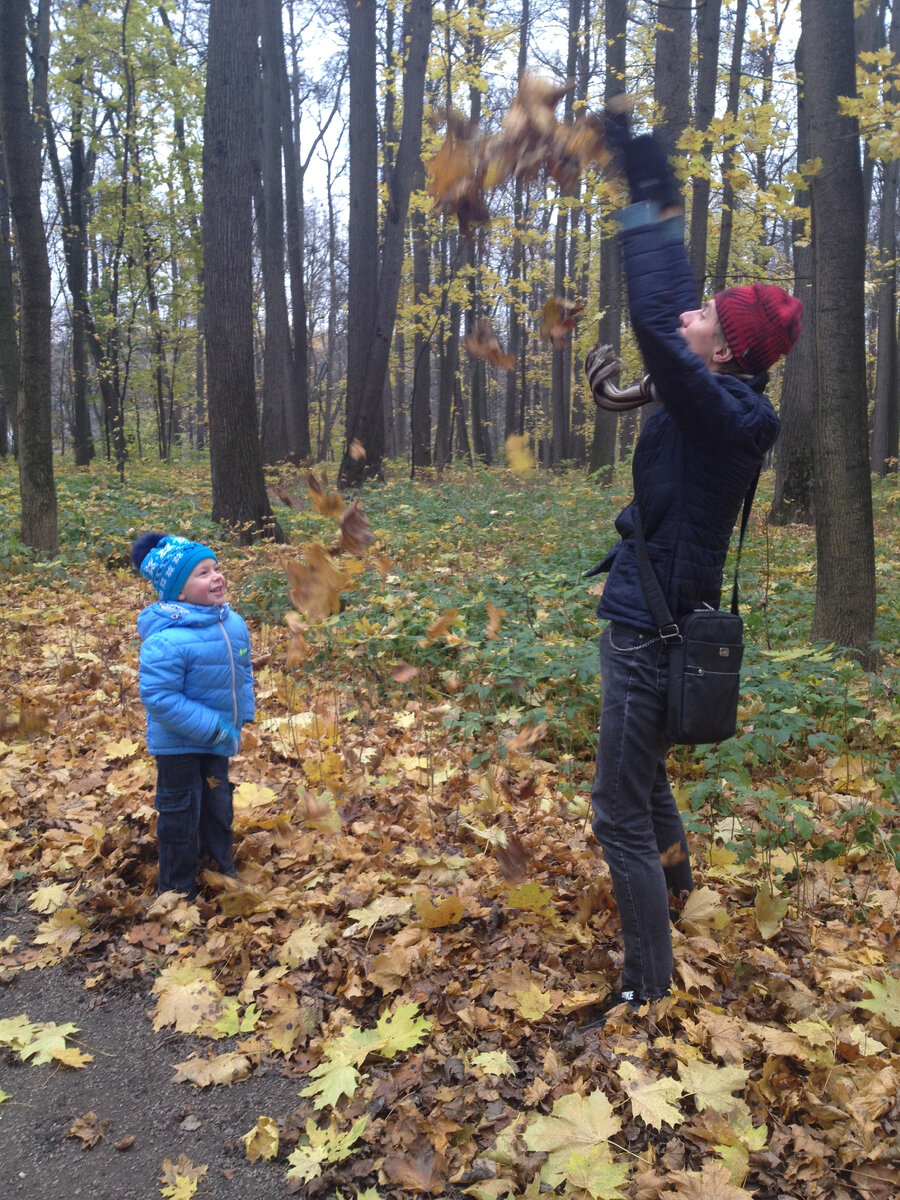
(389, 999)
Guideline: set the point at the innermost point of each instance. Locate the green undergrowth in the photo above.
(485, 542)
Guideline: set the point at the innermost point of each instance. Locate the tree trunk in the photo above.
(734, 97)
(9, 341)
(20, 135)
(278, 435)
(609, 332)
(845, 546)
(709, 14)
(794, 470)
(239, 493)
(364, 416)
(512, 422)
(886, 418)
(672, 74)
(420, 401)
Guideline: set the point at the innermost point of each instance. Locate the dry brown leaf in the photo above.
(482, 343)
(512, 859)
(439, 627)
(329, 504)
(89, 1129)
(356, 532)
(558, 317)
(356, 450)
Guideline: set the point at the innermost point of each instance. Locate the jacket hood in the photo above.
(166, 614)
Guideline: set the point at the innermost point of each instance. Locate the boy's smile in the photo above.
(205, 585)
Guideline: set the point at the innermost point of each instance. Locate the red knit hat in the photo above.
(761, 322)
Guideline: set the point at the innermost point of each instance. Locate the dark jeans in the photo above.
(193, 802)
(635, 815)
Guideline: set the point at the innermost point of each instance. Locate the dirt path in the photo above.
(130, 1085)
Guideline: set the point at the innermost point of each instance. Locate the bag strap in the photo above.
(662, 615)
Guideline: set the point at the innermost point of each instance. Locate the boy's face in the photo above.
(205, 584)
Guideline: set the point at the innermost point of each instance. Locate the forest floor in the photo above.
(388, 1002)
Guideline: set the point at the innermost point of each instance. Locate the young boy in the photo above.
(196, 684)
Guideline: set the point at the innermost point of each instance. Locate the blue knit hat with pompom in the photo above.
(167, 560)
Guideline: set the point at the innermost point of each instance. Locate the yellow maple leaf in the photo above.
(62, 930)
(305, 943)
(532, 1004)
(50, 898)
(530, 897)
(494, 1062)
(652, 1095)
(770, 910)
(576, 1125)
(712, 1183)
(702, 909)
(253, 795)
(181, 1178)
(188, 1006)
(448, 911)
(712, 1086)
(124, 748)
(382, 908)
(261, 1142)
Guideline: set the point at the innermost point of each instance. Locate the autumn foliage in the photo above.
(422, 922)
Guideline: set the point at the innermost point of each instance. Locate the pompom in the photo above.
(143, 545)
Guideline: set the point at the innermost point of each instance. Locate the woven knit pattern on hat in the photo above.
(761, 323)
(169, 564)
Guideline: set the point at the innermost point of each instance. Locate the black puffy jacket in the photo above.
(696, 456)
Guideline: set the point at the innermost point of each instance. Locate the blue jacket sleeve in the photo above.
(247, 697)
(162, 667)
(660, 288)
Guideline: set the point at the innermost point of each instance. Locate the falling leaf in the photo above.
(519, 457)
(356, 532)
(356, 450)
(512, 859)
(495, 619)
(558, 317)
(403, 673)
(261, 1142)
(439, 627)
(527, 736)
(329, 504)
(482, 343)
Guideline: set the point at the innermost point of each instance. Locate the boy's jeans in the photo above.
(635, 815)
(193, 800)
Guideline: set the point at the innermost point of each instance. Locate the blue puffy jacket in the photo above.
(194, 672)
(696, 456)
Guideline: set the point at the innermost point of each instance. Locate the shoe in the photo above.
(613, 1000)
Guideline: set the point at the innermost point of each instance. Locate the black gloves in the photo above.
(649, 172)
(644, 159)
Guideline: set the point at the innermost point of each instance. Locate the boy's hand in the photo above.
(225, 733)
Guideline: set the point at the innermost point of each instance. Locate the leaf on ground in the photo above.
(253, 795)
(50, 898)
(494, 1062)
(89, 1129)
(449, 911)
(321, 1146)
(885, 999)
(712, 1086)
(188, 1006)
(305, 943)
(770, 910)
(576, 1125)
(331, 1080)
(712, 1183)
(382, 908)
(652, 1096)
(261, 1142)
(181, 1178)
(219, 1070)
(596, 1174)
(531, 897)
(703, 909)
(48, 1044)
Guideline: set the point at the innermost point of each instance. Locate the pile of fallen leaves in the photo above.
(418, 940)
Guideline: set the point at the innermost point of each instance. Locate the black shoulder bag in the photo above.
(705, 648)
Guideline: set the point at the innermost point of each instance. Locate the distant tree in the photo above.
(845, 546)
(20, 134)
(239, 492)
(365, 421)
(726, 225)
(9, 340)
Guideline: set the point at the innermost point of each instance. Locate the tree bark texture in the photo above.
(723, 254)
(21, 147)
(239, 494)
(845, 546)
(709, 15)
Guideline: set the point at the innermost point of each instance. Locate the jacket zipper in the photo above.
(234, 709)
